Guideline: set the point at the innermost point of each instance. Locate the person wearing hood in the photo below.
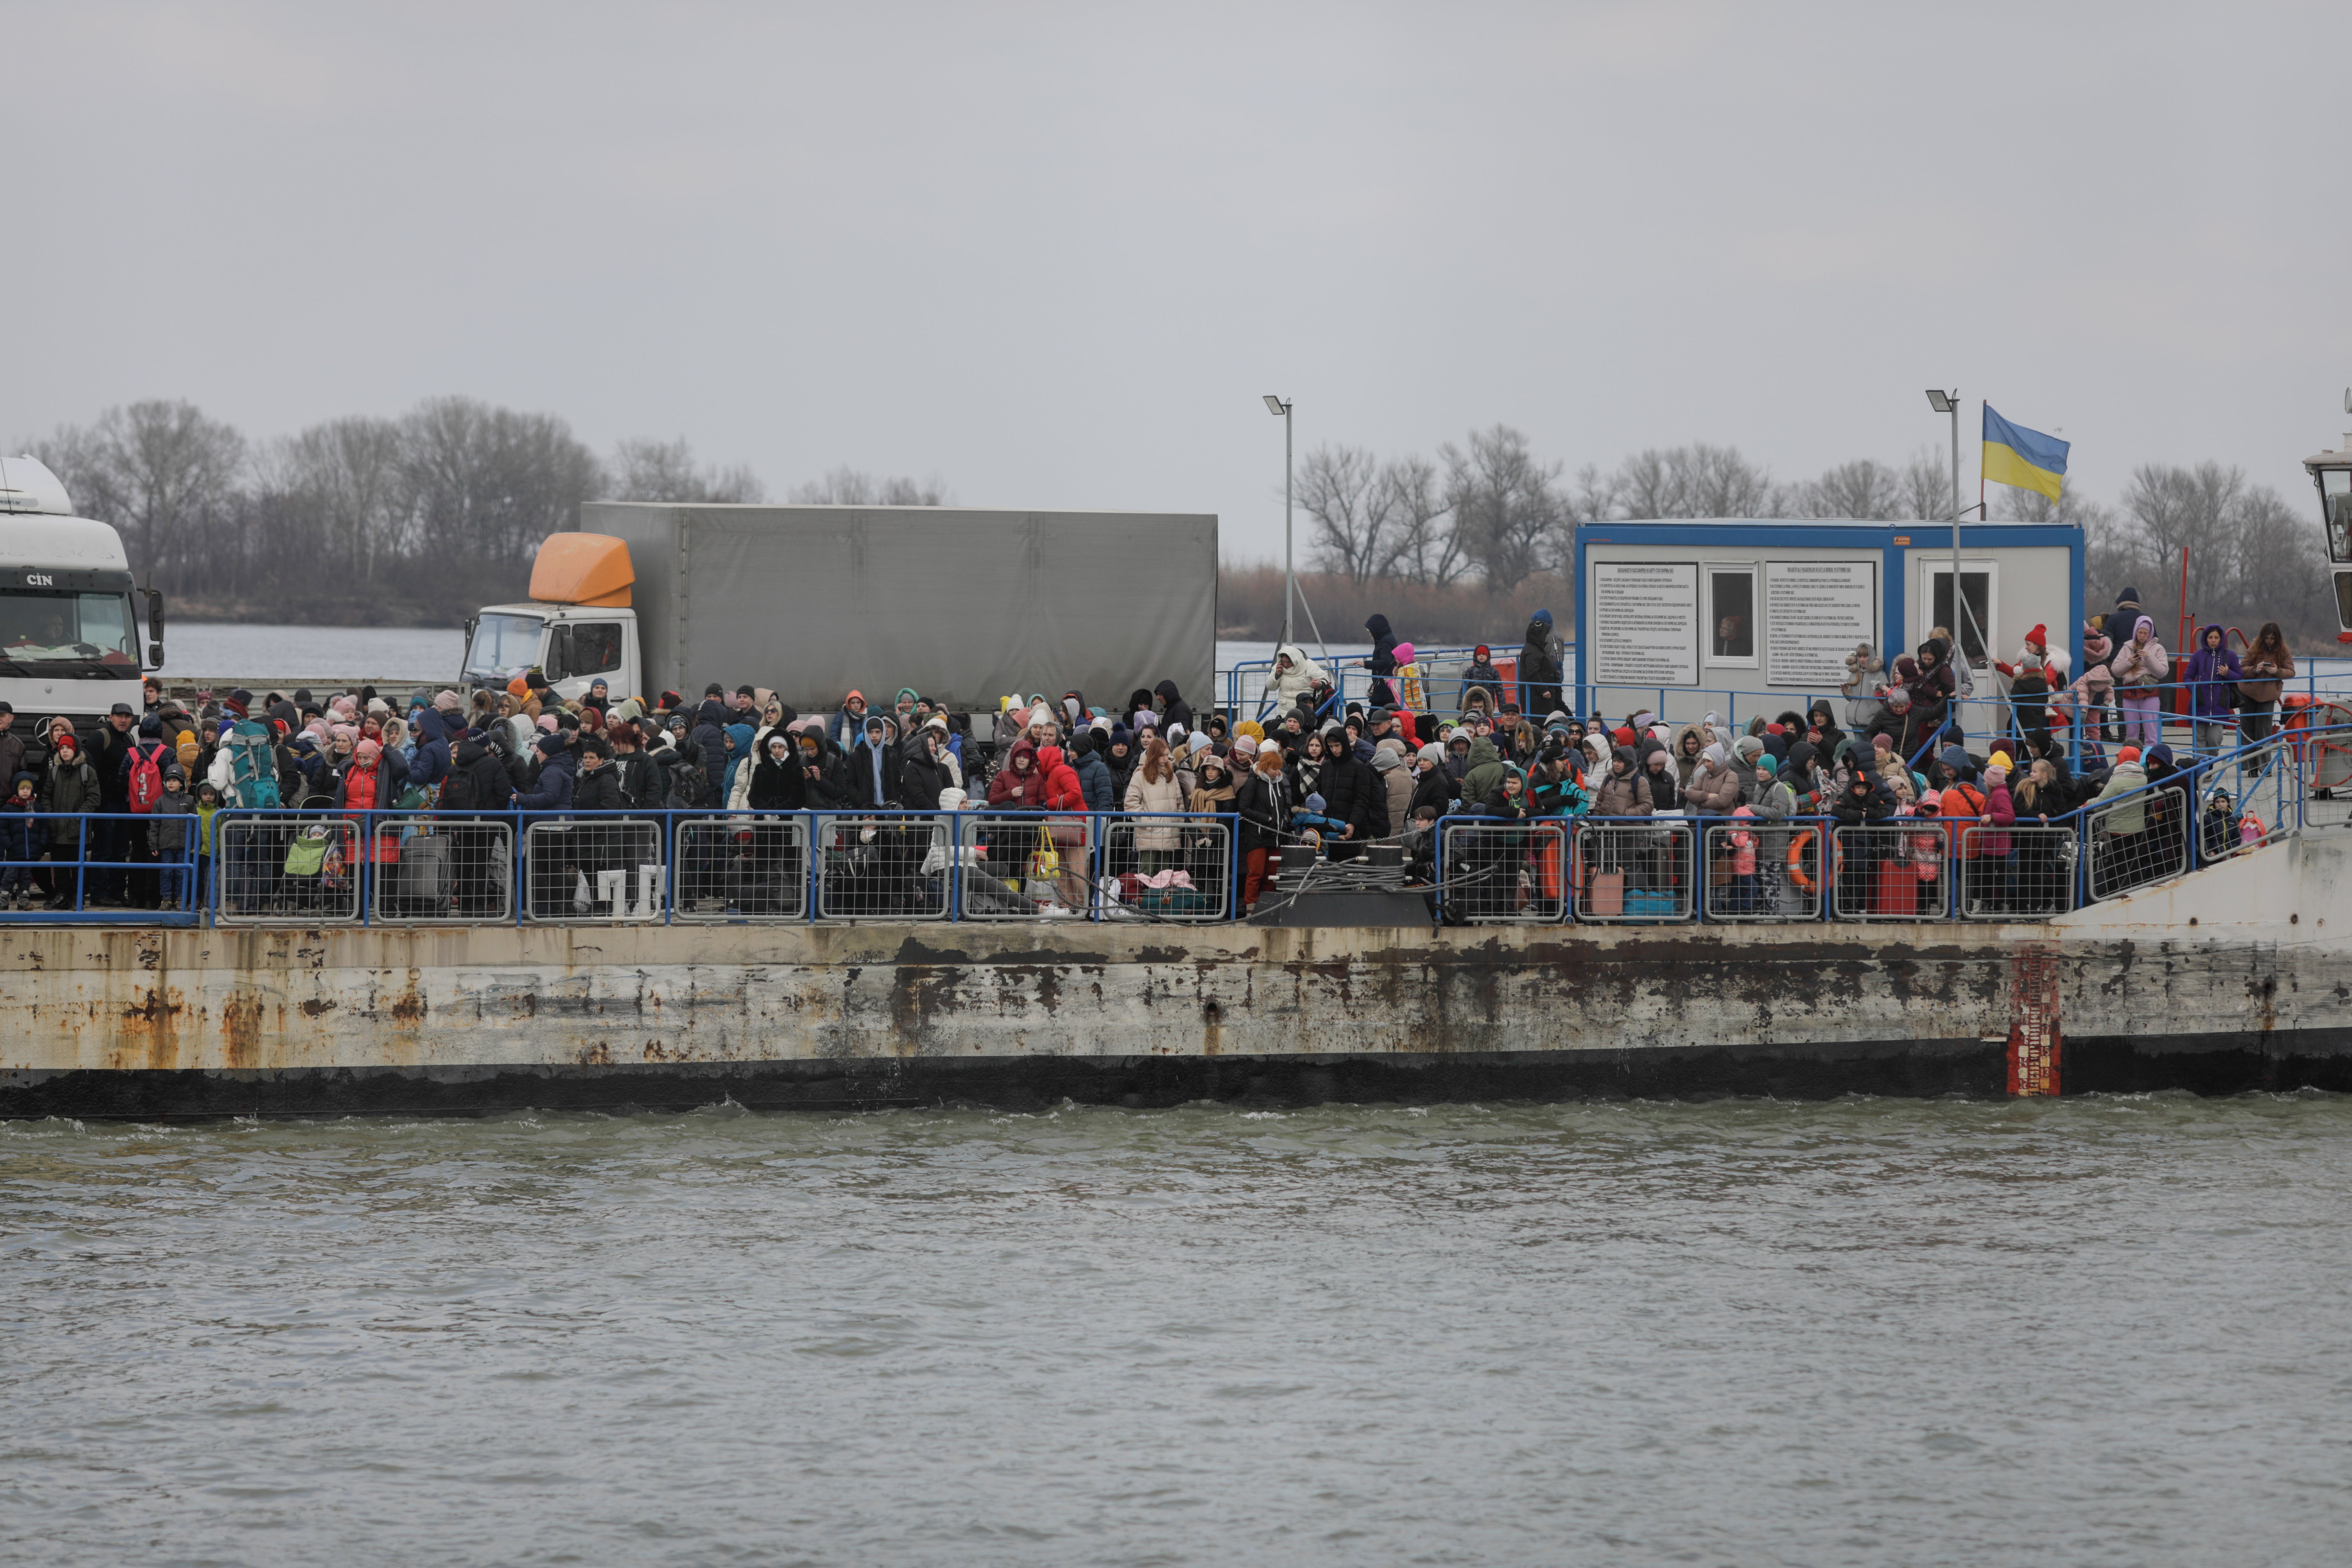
(1714, 789)
(1295, 677)
(2141, 666)
(2119, 621)
(1934, 689)
(1094, 773)
(2125, 858)
(1173, 709)
(1396, 782)
(1746, 752)
(1383, 662)
(844, 729)
(2213, 678)
(1864, 801)
(1353, 794)
(872, 774)
(1625, 790)
(1540, 672)
(1864, 673)
(1803, 777)
(1666, 786)
(1018, 785)
(922, 775)
(1480, 675)
(1484, 773)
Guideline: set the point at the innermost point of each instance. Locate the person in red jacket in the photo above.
(1064, 793)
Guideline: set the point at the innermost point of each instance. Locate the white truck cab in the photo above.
(69, 625)
(577, 628)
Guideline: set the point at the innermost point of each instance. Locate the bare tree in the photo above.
(350, 475)
(1693, 481)
(848, 487)
(646, 469)
(1927, 485)
(490, 482)
(156, 469)
(1506, 514)
(1865, 489)
(1423, 546)
(1344, 492)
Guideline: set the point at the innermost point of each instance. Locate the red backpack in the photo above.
(146, 776)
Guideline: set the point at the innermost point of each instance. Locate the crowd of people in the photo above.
(1308, 769)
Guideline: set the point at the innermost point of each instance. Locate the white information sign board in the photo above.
(1645, 617)
(1814, 614)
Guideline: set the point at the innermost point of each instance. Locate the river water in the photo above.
(2092, 1330)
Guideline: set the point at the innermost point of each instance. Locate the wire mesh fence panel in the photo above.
(743, 867)
(2017, 873)
(1762, 871)
(869, 867)
(2247, 799)
(594, 868)
(1171, 867)
(426, 869)
(1006, 866)
(287, 870)
(1633, 870)
(2136, 839)
(1891, 871)
(139, 868)
(1504, 873)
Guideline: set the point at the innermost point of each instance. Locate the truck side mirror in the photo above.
(154, 627)
(557, 665)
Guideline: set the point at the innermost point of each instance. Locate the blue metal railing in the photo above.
(360, 869)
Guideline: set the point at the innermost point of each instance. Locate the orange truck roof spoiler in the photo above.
(591, 569)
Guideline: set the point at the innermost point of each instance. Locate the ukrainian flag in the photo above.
(2027, 460)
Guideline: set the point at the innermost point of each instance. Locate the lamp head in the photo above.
(1276, 405)
(1942, 402)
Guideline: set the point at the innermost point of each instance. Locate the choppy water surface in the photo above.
(2097, 1331)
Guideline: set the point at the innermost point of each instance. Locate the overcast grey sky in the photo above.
(1055, 254)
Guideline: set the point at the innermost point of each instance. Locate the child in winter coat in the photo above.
(208, 805)
(167, 834)
(1742, 863)
(19, 844)
(1926, 848)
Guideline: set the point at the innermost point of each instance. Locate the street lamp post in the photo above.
(1289, 573)
(1949, 403)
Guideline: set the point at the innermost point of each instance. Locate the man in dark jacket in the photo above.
(1353, 794)
(434, 753)
(1538, 670)
(1173, 710)
(1094, 773)
(554, 788)
(114, 840)
(14, 757)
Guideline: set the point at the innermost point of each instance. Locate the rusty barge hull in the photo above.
(2229, 981)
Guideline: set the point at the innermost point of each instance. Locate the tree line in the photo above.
(369, 520)
(1486, 514)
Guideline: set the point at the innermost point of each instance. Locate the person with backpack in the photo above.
(143, 772)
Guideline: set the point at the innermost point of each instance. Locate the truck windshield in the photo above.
(58, 632)
(504, 647)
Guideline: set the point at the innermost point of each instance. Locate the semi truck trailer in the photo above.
(68, 619)
(964, 604)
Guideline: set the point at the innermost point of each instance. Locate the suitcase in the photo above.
(1607, 898)
(421, 879)
(1895, 890)
(1655, 904)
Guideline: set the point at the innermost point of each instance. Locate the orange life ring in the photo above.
(1797, 848)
